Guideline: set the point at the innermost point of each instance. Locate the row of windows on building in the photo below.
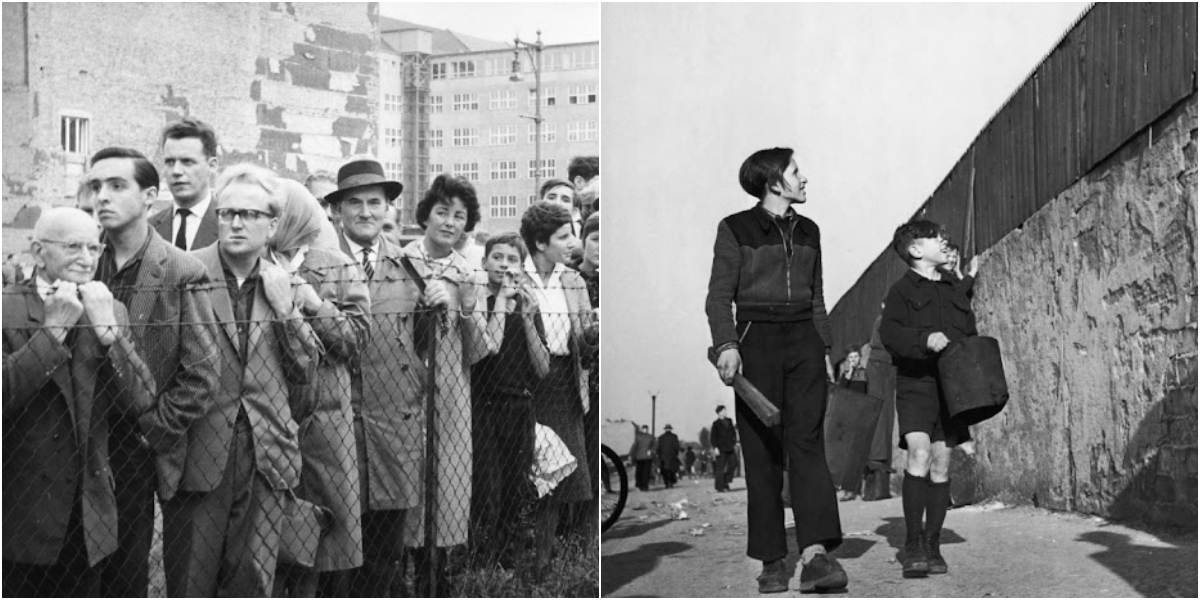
(501, 99)
(565, 59)
(502, 170)
(499, 135)
(505, 207)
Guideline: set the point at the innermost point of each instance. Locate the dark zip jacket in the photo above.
(771, 268)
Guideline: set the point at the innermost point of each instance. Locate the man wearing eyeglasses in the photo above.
(166, 291)
(245, 449)
(69, 363)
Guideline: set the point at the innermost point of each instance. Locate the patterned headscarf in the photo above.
(303, 221)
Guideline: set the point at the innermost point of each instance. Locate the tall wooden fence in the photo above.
(1119, 68)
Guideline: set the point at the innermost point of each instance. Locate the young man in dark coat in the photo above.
(767, 261)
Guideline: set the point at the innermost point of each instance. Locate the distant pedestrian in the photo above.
(689, 461)
(642, 453)
(724, 440)
(668, 456)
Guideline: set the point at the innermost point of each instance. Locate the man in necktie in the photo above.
(190, 160)
(386, 378)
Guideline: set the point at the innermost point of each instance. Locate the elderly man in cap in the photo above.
(386, 379)
(69, 366)
(668, 456)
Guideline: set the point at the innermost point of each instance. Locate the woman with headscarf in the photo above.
(335, 300)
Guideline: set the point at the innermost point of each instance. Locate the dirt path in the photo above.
(992, 551)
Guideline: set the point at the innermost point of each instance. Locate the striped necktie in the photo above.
(366, 264)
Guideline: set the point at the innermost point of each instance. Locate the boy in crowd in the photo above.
(925, 311)
(501, 387)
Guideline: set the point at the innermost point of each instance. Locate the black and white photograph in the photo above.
(904, 302)
(301, 299)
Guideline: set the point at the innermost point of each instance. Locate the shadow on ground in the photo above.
(620, 569)
(1154, 571)
(893, 529)
(633, 528)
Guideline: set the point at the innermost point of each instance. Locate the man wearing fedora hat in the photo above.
(668, 456)
(386, 378)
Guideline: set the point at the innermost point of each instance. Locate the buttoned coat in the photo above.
(458, 347)
(173, 330)
(56, 402)
(206, 235)
(388, 397)
(281, 350)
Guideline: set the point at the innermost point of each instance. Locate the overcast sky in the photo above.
(560, 22)
(878, 101)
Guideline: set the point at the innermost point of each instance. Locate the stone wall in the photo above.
(288, 85)
(1094, 303)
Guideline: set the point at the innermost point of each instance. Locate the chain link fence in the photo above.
(377, 448)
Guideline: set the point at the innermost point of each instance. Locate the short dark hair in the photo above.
(191, 128)
(552, 183)
(583, 166)
(541, 220)
(915, 229)
(953, 247)
(853, 348)
(442, 191)
(720, 407)
(764, 169)
(144, 172)
(509, 238)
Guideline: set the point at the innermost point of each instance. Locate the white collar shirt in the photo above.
(195, 215)
(552, 302)
(356, 252)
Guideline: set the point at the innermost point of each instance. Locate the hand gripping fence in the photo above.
(376, 446)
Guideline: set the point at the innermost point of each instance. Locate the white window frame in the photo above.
(75, 133)
(502, 135)
(502, 207)
(548, 167)
(503, 170)
(549, 132)
(468, 170)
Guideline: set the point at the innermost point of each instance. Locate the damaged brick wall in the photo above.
(1094, 303)
(287, 85)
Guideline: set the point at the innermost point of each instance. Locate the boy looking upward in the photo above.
(925, 311)
(767, 260)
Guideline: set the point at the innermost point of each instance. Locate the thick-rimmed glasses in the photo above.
(77, 248)
(247, 215)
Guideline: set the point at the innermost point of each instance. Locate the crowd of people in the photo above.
(310, 403)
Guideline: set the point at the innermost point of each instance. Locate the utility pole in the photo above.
(654, 413)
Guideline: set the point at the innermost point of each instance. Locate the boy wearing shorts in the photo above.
(924, 312)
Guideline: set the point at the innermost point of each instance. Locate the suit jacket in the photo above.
(205, 236)
(388, 391)
(280, 353)
(56, 402)
(172, 316)
(723, 435)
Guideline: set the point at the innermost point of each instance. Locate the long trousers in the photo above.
(786, 362)
(724, 466)
(226, 542)
(641, 475)
(126, 572)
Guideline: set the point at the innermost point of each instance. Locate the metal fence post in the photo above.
(431, 494)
